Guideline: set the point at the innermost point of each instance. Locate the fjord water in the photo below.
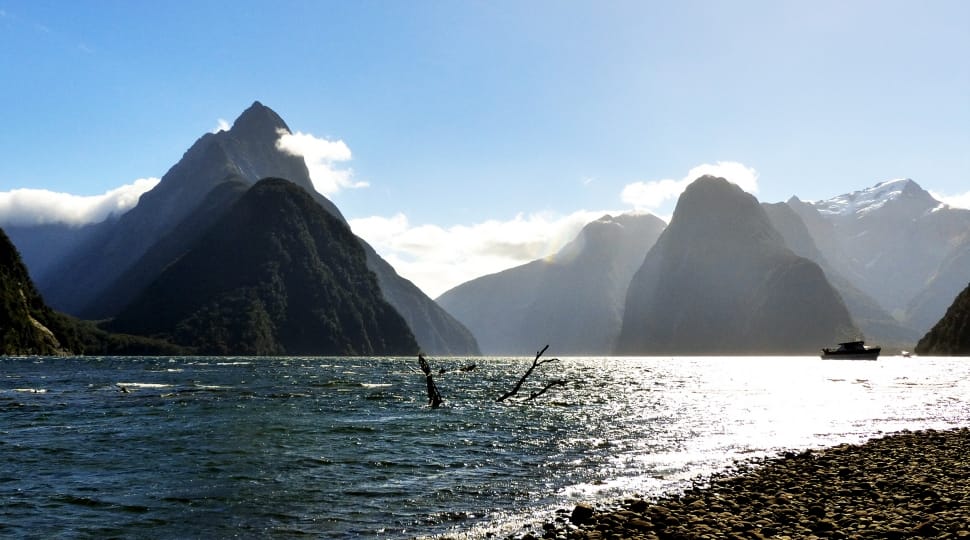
(347, 447)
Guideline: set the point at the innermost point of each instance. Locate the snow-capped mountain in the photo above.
(891, 240)
(903, 191)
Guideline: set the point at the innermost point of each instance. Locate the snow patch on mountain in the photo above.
(860, 203)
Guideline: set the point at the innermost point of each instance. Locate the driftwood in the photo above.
(535, 363)
(434, 396)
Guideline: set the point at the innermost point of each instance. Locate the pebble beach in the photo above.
(912, 484)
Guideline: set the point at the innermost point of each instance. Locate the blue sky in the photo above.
(482, 134)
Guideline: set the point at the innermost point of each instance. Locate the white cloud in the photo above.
(653, 194)
(956, 201)
(40, 206)
(321, 156)
(221, 125)
(438, 258)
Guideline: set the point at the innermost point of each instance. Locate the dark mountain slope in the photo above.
(276, 274)
(951, 335)
(574, 299)
(172, 246)
(720, 280)
(27, 325)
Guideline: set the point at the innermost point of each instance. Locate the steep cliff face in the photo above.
(720, 280)
(276, 274)
(27, 325)
(951, 335)
(573, 299)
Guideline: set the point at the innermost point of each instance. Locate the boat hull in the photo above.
(869, 354)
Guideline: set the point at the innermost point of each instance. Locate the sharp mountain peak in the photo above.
(258, 118)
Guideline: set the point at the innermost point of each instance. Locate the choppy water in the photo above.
(346, 447)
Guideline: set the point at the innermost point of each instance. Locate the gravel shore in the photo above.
(906, 485)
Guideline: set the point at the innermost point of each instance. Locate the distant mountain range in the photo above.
(216, 259)
(733, 278)
(113, 262)
(897, 244)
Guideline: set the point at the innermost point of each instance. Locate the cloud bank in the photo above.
(41, 207)
(653, 194)
(322, 157)
(438, 258)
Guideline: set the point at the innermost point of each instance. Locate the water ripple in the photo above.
(347, 447)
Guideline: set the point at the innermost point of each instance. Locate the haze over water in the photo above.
(346, 447)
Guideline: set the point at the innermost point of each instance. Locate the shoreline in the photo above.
(910, 484)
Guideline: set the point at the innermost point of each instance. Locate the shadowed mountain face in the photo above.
(950, 336)
(276, 274)
(573, 300)
(720, 280)
(112, 263)
(245, 153)
(171, 246)
(897, 244)
(27, 325)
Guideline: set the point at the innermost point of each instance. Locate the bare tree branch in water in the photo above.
(434, 396)
(557, 382)
(535, 363)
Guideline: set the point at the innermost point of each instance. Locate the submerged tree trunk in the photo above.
(434, 396)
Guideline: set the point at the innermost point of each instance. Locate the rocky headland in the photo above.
(905, 485)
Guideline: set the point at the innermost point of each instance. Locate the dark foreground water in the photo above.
(346, 447)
